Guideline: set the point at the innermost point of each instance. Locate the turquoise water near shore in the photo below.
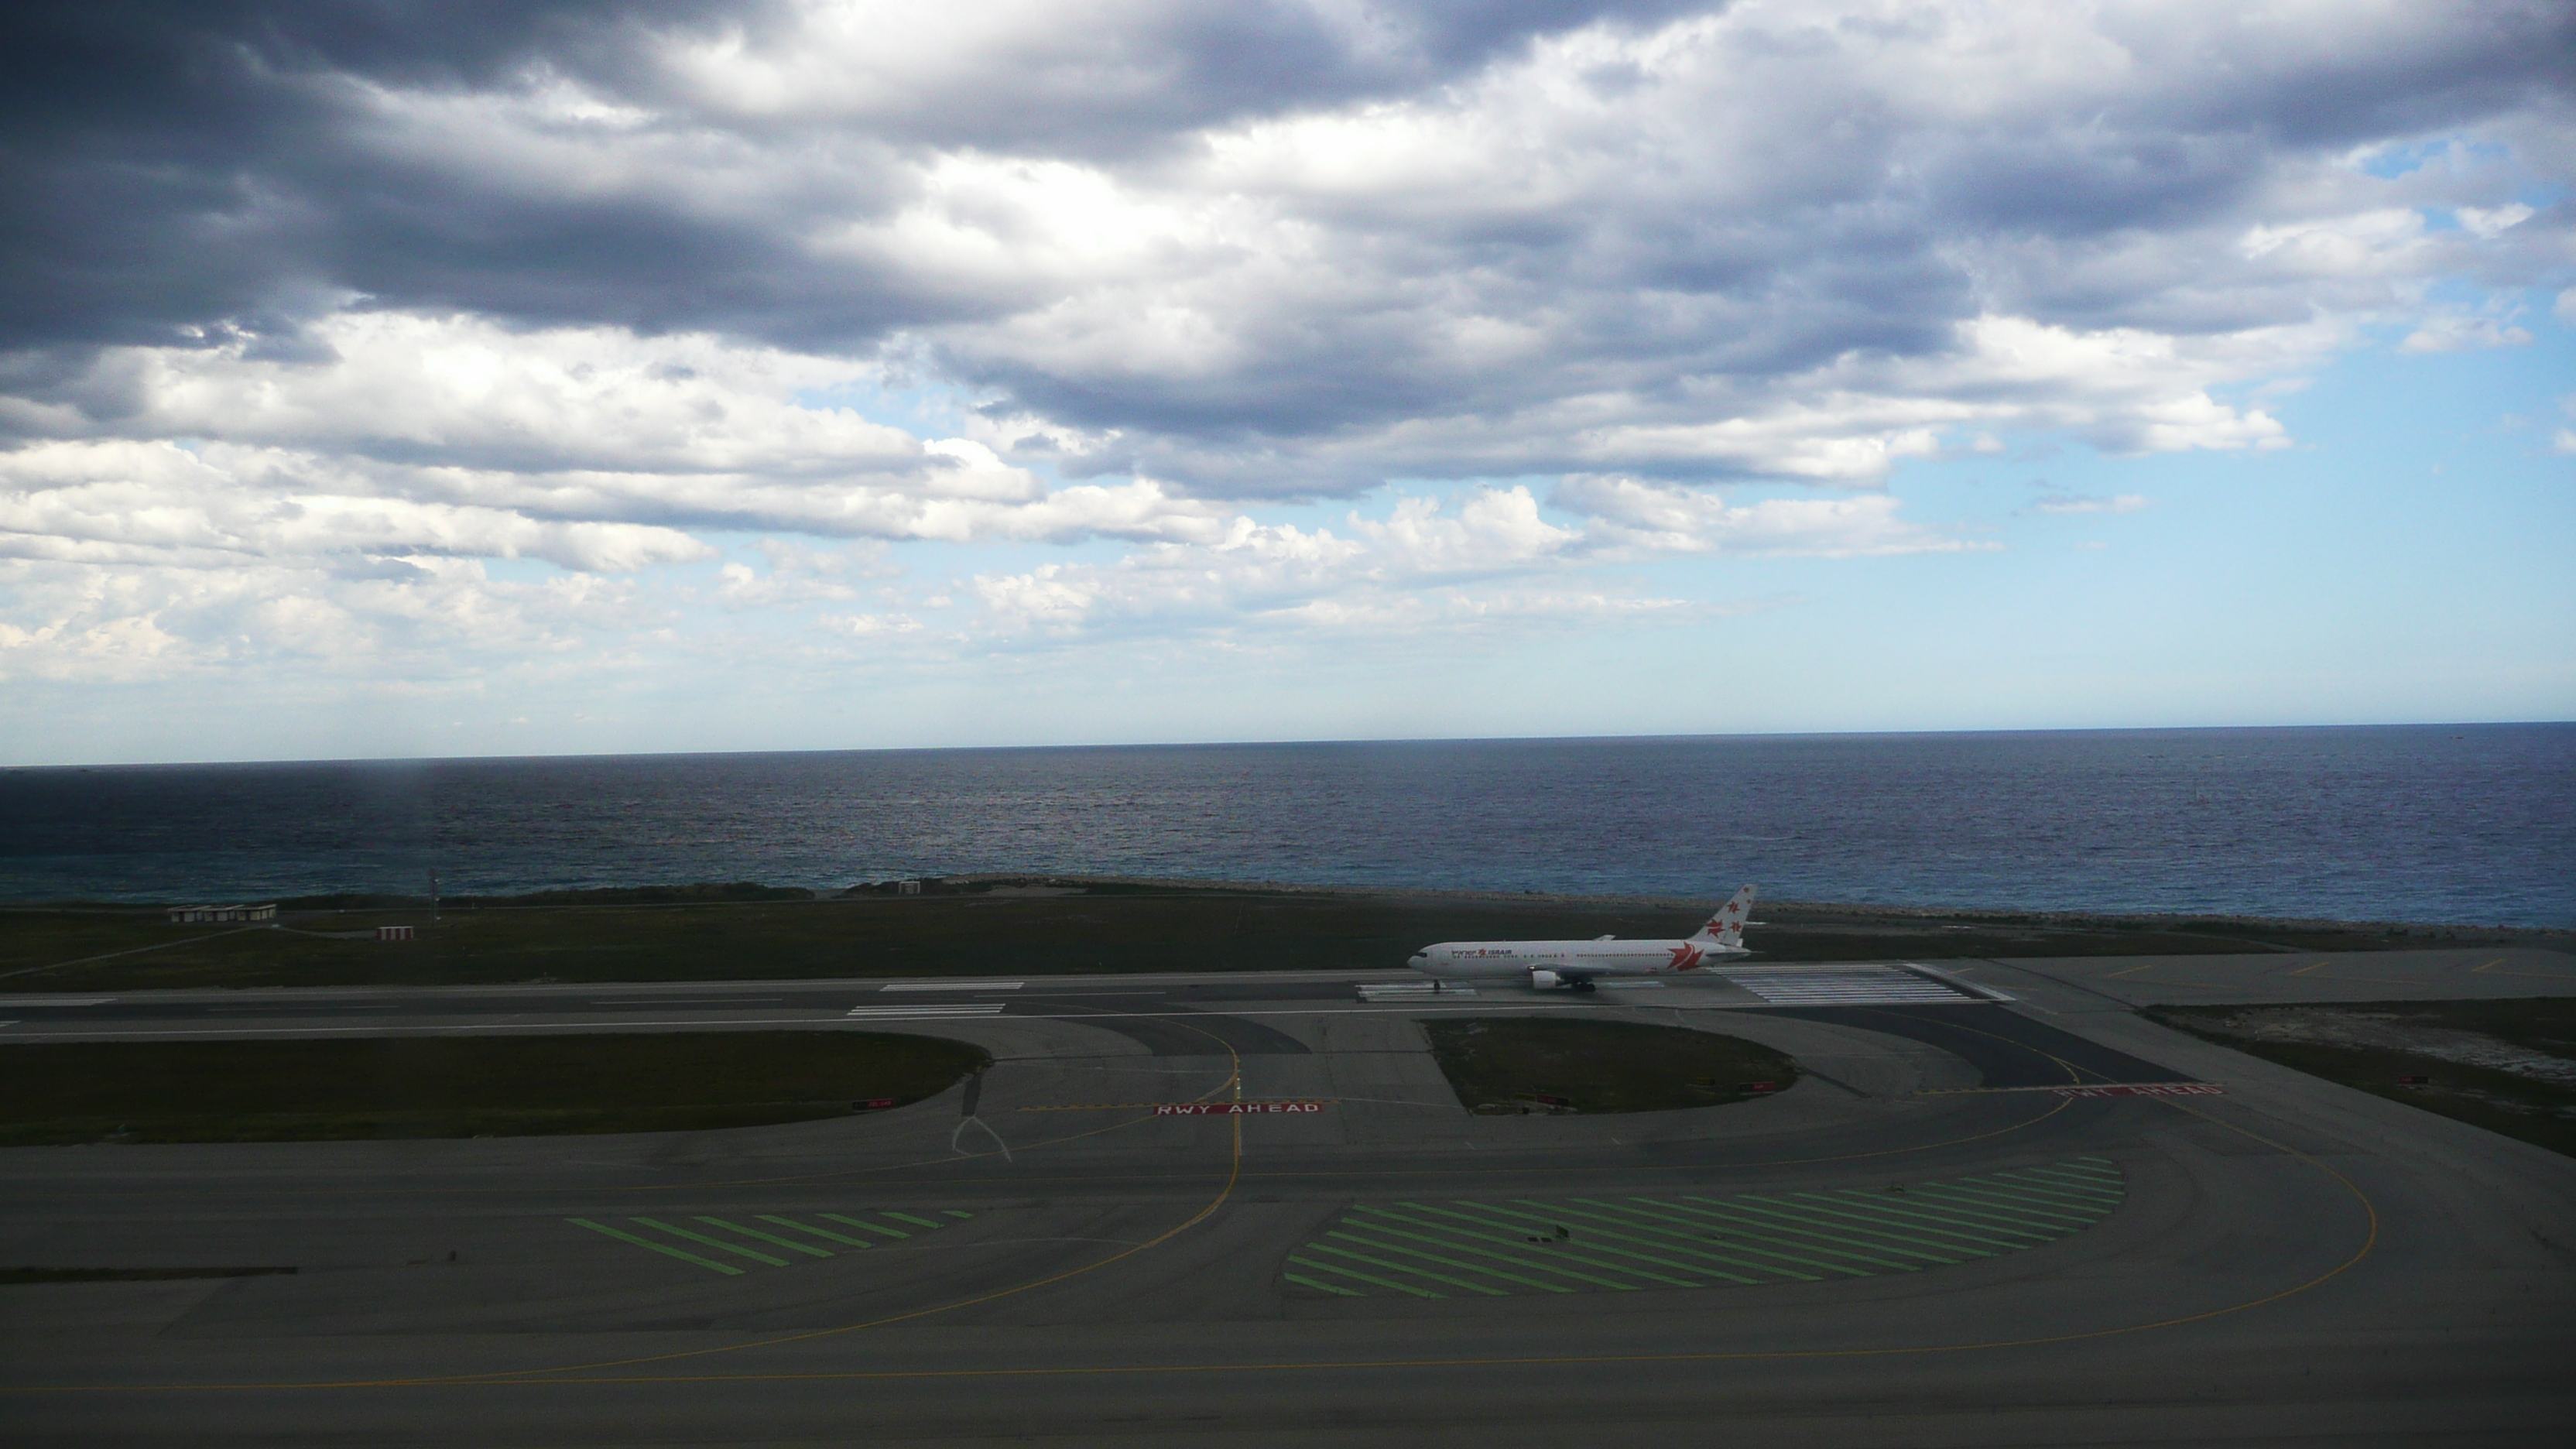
(2462, 823)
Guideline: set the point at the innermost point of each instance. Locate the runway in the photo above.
(1925, 1242)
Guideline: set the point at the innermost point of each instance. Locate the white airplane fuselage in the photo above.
(1574, 964)
(1471, 960)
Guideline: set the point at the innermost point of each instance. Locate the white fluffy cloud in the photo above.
(1486, 557)
(350, 323)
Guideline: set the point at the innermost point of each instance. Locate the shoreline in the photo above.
(1008, 885)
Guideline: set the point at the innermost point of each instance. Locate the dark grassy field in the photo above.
(1600, 1066)
(275, 1091)
(2535, 1111)
(715, 933)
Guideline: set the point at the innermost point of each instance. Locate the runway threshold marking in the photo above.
(759, 1235)
(1575, 1245)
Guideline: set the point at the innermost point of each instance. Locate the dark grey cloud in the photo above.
(1592, 239)
(173, 165)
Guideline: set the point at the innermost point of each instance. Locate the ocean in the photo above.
(2461, 823)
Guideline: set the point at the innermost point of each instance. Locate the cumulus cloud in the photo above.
(356, 301)
(2052, 501)
(2464, 334)
(1283, 249)
(1636, 514)
(587, 424)
(1485, 557)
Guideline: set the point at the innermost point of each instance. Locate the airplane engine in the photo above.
(1543, 980)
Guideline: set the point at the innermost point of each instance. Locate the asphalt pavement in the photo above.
(1248, 1210)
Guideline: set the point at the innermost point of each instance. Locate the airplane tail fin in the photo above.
(1726, 928)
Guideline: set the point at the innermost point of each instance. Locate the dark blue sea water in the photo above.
(2471, 823)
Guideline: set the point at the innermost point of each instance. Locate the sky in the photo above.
(408, 379)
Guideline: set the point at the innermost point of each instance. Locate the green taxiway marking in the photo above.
(1924, 1219)
(1756, 1239)
(739, 1230)
(1977, 1194)
(1646, 1234)
(1611, 1207)
(826, 1234)
(1565, 1247)
(1400, 1250)
(1656, 1228)
(1849, 1241)
(1407, 1268)
(734, 1248)
(1644, 1242)
(756, 1233)
(866, 1227)
(663, 1248)
(1875, 1224)
(1517, 1244)
(1364, 1278)
(1541, 1284)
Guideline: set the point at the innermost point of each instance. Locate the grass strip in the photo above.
(465, 1086)
(731, 932)
(1599, 1066)
(2530, 1108)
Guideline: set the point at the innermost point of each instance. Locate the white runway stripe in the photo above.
(1849, 986)
(954, 986)
(942, 1008)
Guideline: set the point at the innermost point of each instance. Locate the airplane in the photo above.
(1572, 965)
